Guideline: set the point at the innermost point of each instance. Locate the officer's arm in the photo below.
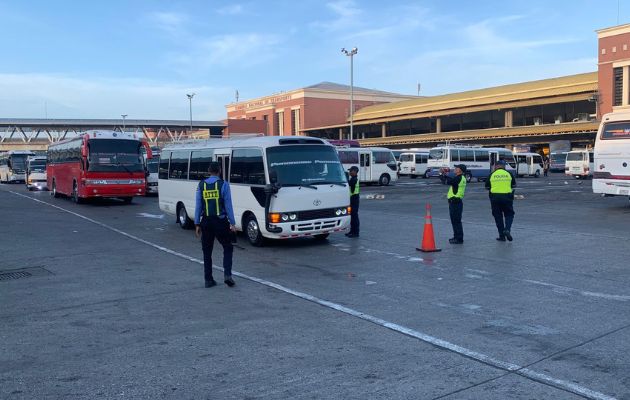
(487, 184)
(227, 201)
(353, 183)
(454, 182)
(513, 183)
(198, 206)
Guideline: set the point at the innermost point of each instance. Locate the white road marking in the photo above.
(566, 289)
(443, 344)
(147, 215)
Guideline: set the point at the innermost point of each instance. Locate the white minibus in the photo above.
(529, 164)
(36, 173)
(13, 165)
(282, 187)
(579, 164)
(479, 161)
(611, 175)
(376, 164)
(415, 164)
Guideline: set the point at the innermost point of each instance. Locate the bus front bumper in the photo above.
(288, 230)
(611, 187)
(114, 191)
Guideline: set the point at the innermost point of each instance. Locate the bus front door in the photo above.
(365, 170)
(494, 157)
(224, 161)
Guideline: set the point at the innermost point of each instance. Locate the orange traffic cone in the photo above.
(428, 239)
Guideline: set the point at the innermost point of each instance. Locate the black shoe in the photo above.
(211, 283)
(501, 239)
(455, 241)
(229, 281)
(352, 235)
(508, 235)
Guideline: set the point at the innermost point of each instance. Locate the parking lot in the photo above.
(108, 302)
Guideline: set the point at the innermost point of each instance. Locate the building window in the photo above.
(295, 121)
(280, 123)
(617, 86)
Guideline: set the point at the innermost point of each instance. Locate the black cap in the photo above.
(501, 162)
(461, 166)
(354, 168)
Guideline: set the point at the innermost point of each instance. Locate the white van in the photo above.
(376, 164)
(579, 164)
(415, 164)
(282, 187)
(36, 173)
(611, 176)
(529, 164)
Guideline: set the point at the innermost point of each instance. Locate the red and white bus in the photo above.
(98, 164)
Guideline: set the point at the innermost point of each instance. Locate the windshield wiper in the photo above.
(331, 183)
(126, 169)
(307, 185)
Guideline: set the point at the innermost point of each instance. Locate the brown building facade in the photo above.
(290, 113)
(613, 68)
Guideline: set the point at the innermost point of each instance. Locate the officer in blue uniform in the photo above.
(214, 218)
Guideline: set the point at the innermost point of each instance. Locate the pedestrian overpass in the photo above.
(37, 134)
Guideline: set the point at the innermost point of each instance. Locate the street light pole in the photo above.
(123, 117)
(190, 97)
(351, 54)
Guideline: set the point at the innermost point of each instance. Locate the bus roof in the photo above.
(100, 134)
(258, 141)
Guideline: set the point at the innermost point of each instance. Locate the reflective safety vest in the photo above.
(501, 182)
(461, 188)
(356, 188)
(212, 200)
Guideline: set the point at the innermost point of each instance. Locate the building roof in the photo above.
(582, 85)
(338, 87)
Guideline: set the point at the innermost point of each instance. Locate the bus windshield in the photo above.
(18, 162)
(114, 155)
(406, 157)
(305, 165)
(575, 157)
(436, 154)
(153, 166)
(37, 166)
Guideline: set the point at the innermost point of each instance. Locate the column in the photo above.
(509, 118)
(384, 130)
(625, 90)
(438, 125)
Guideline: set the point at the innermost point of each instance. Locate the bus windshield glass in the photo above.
(305, 165)
(18, 162)
(575, 157)
(616, 130)
(406, 157)
(114, 155)
(436, 154)
(37, 166)
(153, 166)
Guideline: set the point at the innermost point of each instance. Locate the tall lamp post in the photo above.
(190, 97)
(351, 54)
(123, 117)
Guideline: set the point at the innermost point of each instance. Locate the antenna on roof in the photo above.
(237, 95)
(419, 88)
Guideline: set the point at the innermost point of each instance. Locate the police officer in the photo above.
(501, 184)
(354, 202)
(214, 218)
(455, 198)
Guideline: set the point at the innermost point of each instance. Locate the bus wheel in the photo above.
(252, 229)
(537, 174)
(384, 180)
(321, 237)
(75, 193)
(54, 192)
(182, 218)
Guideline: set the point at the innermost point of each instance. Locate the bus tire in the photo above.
(537, 174)
(321, 237)
(384, 180)
(54, 193)
(182, 217)
(252, 231)
(75, 193)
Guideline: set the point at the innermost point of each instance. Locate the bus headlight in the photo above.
(338, 212)
(345, 211)
(285, 217)
(292, 217)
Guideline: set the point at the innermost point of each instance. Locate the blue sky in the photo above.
(100, 59)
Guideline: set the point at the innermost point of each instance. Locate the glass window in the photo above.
(164, 159)
(348, 157)
(199, 164)
(436, 154)
(591, 157)
(454, 155)
(178, 168)
(305, 165)
(109, 155)
(383, 157)
(575, 156)
(616, 130)
(466, 155)
(406, 157)
(247, 167)
(482, 156)
(617, 86)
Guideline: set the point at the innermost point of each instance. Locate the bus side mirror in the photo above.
(273, 178)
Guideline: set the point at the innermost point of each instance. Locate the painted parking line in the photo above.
(437, 342)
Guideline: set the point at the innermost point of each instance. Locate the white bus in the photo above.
(529, 164)
(282, 187)
(13, 165)
(415, 164)
(579, 164)
(376, 164)
(611, 176)
(36, 173)
(479, 161)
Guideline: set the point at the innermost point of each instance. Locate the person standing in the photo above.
(353, 184)
(546, 166)
(501, 184)
(455, 198)
(214, 218)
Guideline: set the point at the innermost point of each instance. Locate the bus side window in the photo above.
(163, 169)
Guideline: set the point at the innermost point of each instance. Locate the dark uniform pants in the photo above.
(219, 228)
(354, 214)
(502, 208)
(456, 209)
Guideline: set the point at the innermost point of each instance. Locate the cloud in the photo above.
(346, 15)
(232, 9)
(24, 95)
(170, 22)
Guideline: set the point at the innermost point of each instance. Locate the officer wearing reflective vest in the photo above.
(214, 218)
(455, 198)
(353, 184)
(501, 184)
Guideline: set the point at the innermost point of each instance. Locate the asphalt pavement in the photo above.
(106, 300)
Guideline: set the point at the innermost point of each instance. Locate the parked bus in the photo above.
(479, 161)
(415, 164)
(611, 175)
(529, 164)
(579, 164)
(376, 164)
(13, 166)
(282, 187)
(152, 167)
(36, 173)
(97, 164)
(557, 161)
